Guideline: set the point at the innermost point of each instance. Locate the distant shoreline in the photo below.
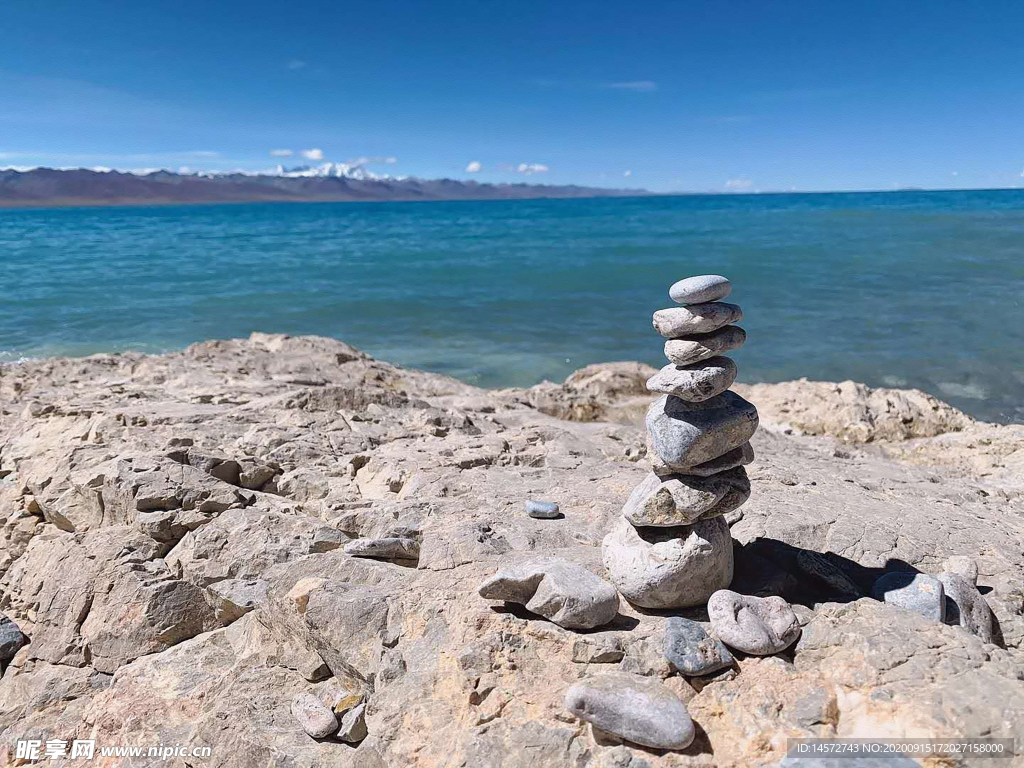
(136, 202)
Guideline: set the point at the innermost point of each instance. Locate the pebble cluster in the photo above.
(671, 548)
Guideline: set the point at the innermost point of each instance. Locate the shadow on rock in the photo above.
(803, 576)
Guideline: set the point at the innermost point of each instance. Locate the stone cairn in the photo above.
(672, 548)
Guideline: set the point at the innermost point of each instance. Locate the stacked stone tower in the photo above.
(671, 548)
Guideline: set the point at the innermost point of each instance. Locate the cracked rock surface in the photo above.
(173, 535)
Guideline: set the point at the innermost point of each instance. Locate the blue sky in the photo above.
(688, 96)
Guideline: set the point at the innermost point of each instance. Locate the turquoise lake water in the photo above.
(906, 289)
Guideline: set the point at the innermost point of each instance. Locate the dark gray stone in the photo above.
(693, 651)
(917, 592)
(11, 639)
(633, 708)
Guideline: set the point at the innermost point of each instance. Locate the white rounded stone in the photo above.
(669, 567)
(756, 625)
(699, 289)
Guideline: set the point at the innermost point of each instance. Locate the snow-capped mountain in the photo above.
(357, 171)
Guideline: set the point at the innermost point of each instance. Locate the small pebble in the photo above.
(542, 510)
(693, 651)
(633, 708)
(315, 717)
(699, 289)
(917, 592)
(756, 625)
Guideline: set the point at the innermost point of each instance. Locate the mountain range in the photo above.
(49, 187)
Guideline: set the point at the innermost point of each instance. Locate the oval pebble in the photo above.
(700, 318)
(315, 717)
(542, 510)
(699, 289)
(636, 709)
(701, 346)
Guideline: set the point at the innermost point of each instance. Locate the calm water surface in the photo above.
(908, 289)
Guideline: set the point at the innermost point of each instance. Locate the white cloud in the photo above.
(627, 174)
(738, 185)
(281, 153)
(640, 86)
(390, 160)
(531, 168)
(473, 167)
(313, 154)
(954, 173)
(296, 64)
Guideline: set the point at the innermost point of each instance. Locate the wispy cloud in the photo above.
(281, 152)
(296, 64)
(639, 86)
(313, 154)
(627, 174)
(531, 168)
(738, 185)
(474, 167)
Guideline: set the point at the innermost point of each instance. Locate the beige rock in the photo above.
(454, 681)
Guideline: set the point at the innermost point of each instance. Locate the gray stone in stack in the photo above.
(672, 547)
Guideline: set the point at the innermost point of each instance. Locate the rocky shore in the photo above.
(248, 541)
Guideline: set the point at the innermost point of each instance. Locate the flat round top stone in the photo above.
(697, 290)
